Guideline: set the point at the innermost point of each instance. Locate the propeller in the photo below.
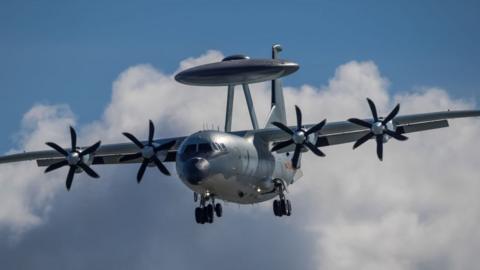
(299, 137)
(73, 158)
(148, 152)
(378, 129)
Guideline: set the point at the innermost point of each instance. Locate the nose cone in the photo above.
(196, 169)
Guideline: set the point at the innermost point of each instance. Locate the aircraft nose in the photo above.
(196, 169)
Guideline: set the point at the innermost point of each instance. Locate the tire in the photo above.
(209, 213)
(218, 210)
(199, 215)
(283, 207)
(276, 208)
(289, 208)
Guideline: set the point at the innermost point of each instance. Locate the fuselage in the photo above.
(230, 167)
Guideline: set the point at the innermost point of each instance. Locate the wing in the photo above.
(106, 154)
(332, 133)
(345, 132)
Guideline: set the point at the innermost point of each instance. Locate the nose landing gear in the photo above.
(207, 210)
(282, 206)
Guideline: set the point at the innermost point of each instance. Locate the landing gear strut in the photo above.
(207, 209)
(282, 206)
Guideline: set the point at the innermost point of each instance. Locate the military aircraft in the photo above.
(247, 166)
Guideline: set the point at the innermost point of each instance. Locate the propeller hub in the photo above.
(299, 137)
(148, 151)
(378, 128)
(73, 158)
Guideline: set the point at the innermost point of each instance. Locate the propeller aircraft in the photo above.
(246, 166)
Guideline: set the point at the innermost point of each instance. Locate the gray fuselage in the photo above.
(232, 168)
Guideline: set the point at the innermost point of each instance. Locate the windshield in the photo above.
(197, 149)
(204, 148)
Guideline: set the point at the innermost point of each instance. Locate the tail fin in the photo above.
(277, 111)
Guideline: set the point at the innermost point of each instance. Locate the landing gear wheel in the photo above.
(276, 208)
(208, 209)
(289, 208)
(209, 213)
(283, 207)
(199, 215)
(218, 210)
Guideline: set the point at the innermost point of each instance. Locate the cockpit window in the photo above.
(190, 149)
(204, 148)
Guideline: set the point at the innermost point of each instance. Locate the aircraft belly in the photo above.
(238, 189)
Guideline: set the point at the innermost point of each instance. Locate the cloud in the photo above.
(416, 210)
(25, 194)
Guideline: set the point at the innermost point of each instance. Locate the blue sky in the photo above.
(71, 52)
(351, 211)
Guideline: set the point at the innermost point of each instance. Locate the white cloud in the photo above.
(417, 209)
(25, 193)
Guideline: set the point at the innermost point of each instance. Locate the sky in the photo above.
(107, 68)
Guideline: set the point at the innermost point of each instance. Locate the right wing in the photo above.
(106, 154)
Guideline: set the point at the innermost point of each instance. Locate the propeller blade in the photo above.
(73, 136)
(314, 149)
(373, 109)
(281, 145)
(58, 148)
(391, 115)
(283, 127)
(91, 149)
(380, 147)
(360, 123)
(165, 146)
(160, 166)
(56, 165)
(130, 157)
(316, 128)
(88, 170)
(296, 155)
(151, 131)
(142, 169)
(70, 174)
(396, 135)
(363, 139)
(133, 139)
(299, 117)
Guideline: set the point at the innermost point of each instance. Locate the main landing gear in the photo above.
(207, 209)
(281, 207)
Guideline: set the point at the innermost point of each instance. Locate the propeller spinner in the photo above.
(73, 158)
(299, 137)
(378, 128)
(148, 152)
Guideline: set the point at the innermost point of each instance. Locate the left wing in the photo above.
(345, 132)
